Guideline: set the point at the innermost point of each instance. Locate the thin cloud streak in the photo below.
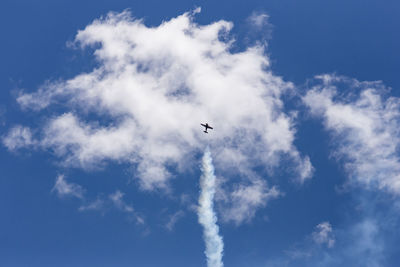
(207, 216)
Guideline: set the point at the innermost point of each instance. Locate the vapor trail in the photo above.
(207, 216)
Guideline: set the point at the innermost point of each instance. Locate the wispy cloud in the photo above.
(117, 200)
(241, 204)
(258, 28)
(173, 219)
(365, 126)
(96, 205)
(19, 136)
(360, 245)
(64, 189)
(259, 19)
(323, 234)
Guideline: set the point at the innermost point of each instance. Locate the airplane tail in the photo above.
(205, 131)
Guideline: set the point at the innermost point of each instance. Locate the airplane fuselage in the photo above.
(206, 126)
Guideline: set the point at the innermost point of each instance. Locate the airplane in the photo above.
(207, 127)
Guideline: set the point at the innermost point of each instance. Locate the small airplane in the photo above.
(207, 127)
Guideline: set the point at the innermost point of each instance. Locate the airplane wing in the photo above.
(209, 127)
(203, 125)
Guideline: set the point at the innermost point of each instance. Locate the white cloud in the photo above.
(242, 203)
(98, 204)
(368, 242)
(259, 27)
(152, 88)
(259, 19)
(361, 244)
(323, 234)
(19, 136)
(365, 127)
(64, 189)
(117, 200)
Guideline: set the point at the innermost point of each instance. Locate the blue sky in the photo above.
(305, 104)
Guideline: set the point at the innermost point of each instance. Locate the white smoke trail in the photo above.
(207, 216)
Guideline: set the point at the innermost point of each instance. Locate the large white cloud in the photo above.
(152, 87)
(366, 128)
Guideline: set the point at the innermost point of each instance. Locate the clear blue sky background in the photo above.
(359, 39)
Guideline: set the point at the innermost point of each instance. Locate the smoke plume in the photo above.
(207, 216)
